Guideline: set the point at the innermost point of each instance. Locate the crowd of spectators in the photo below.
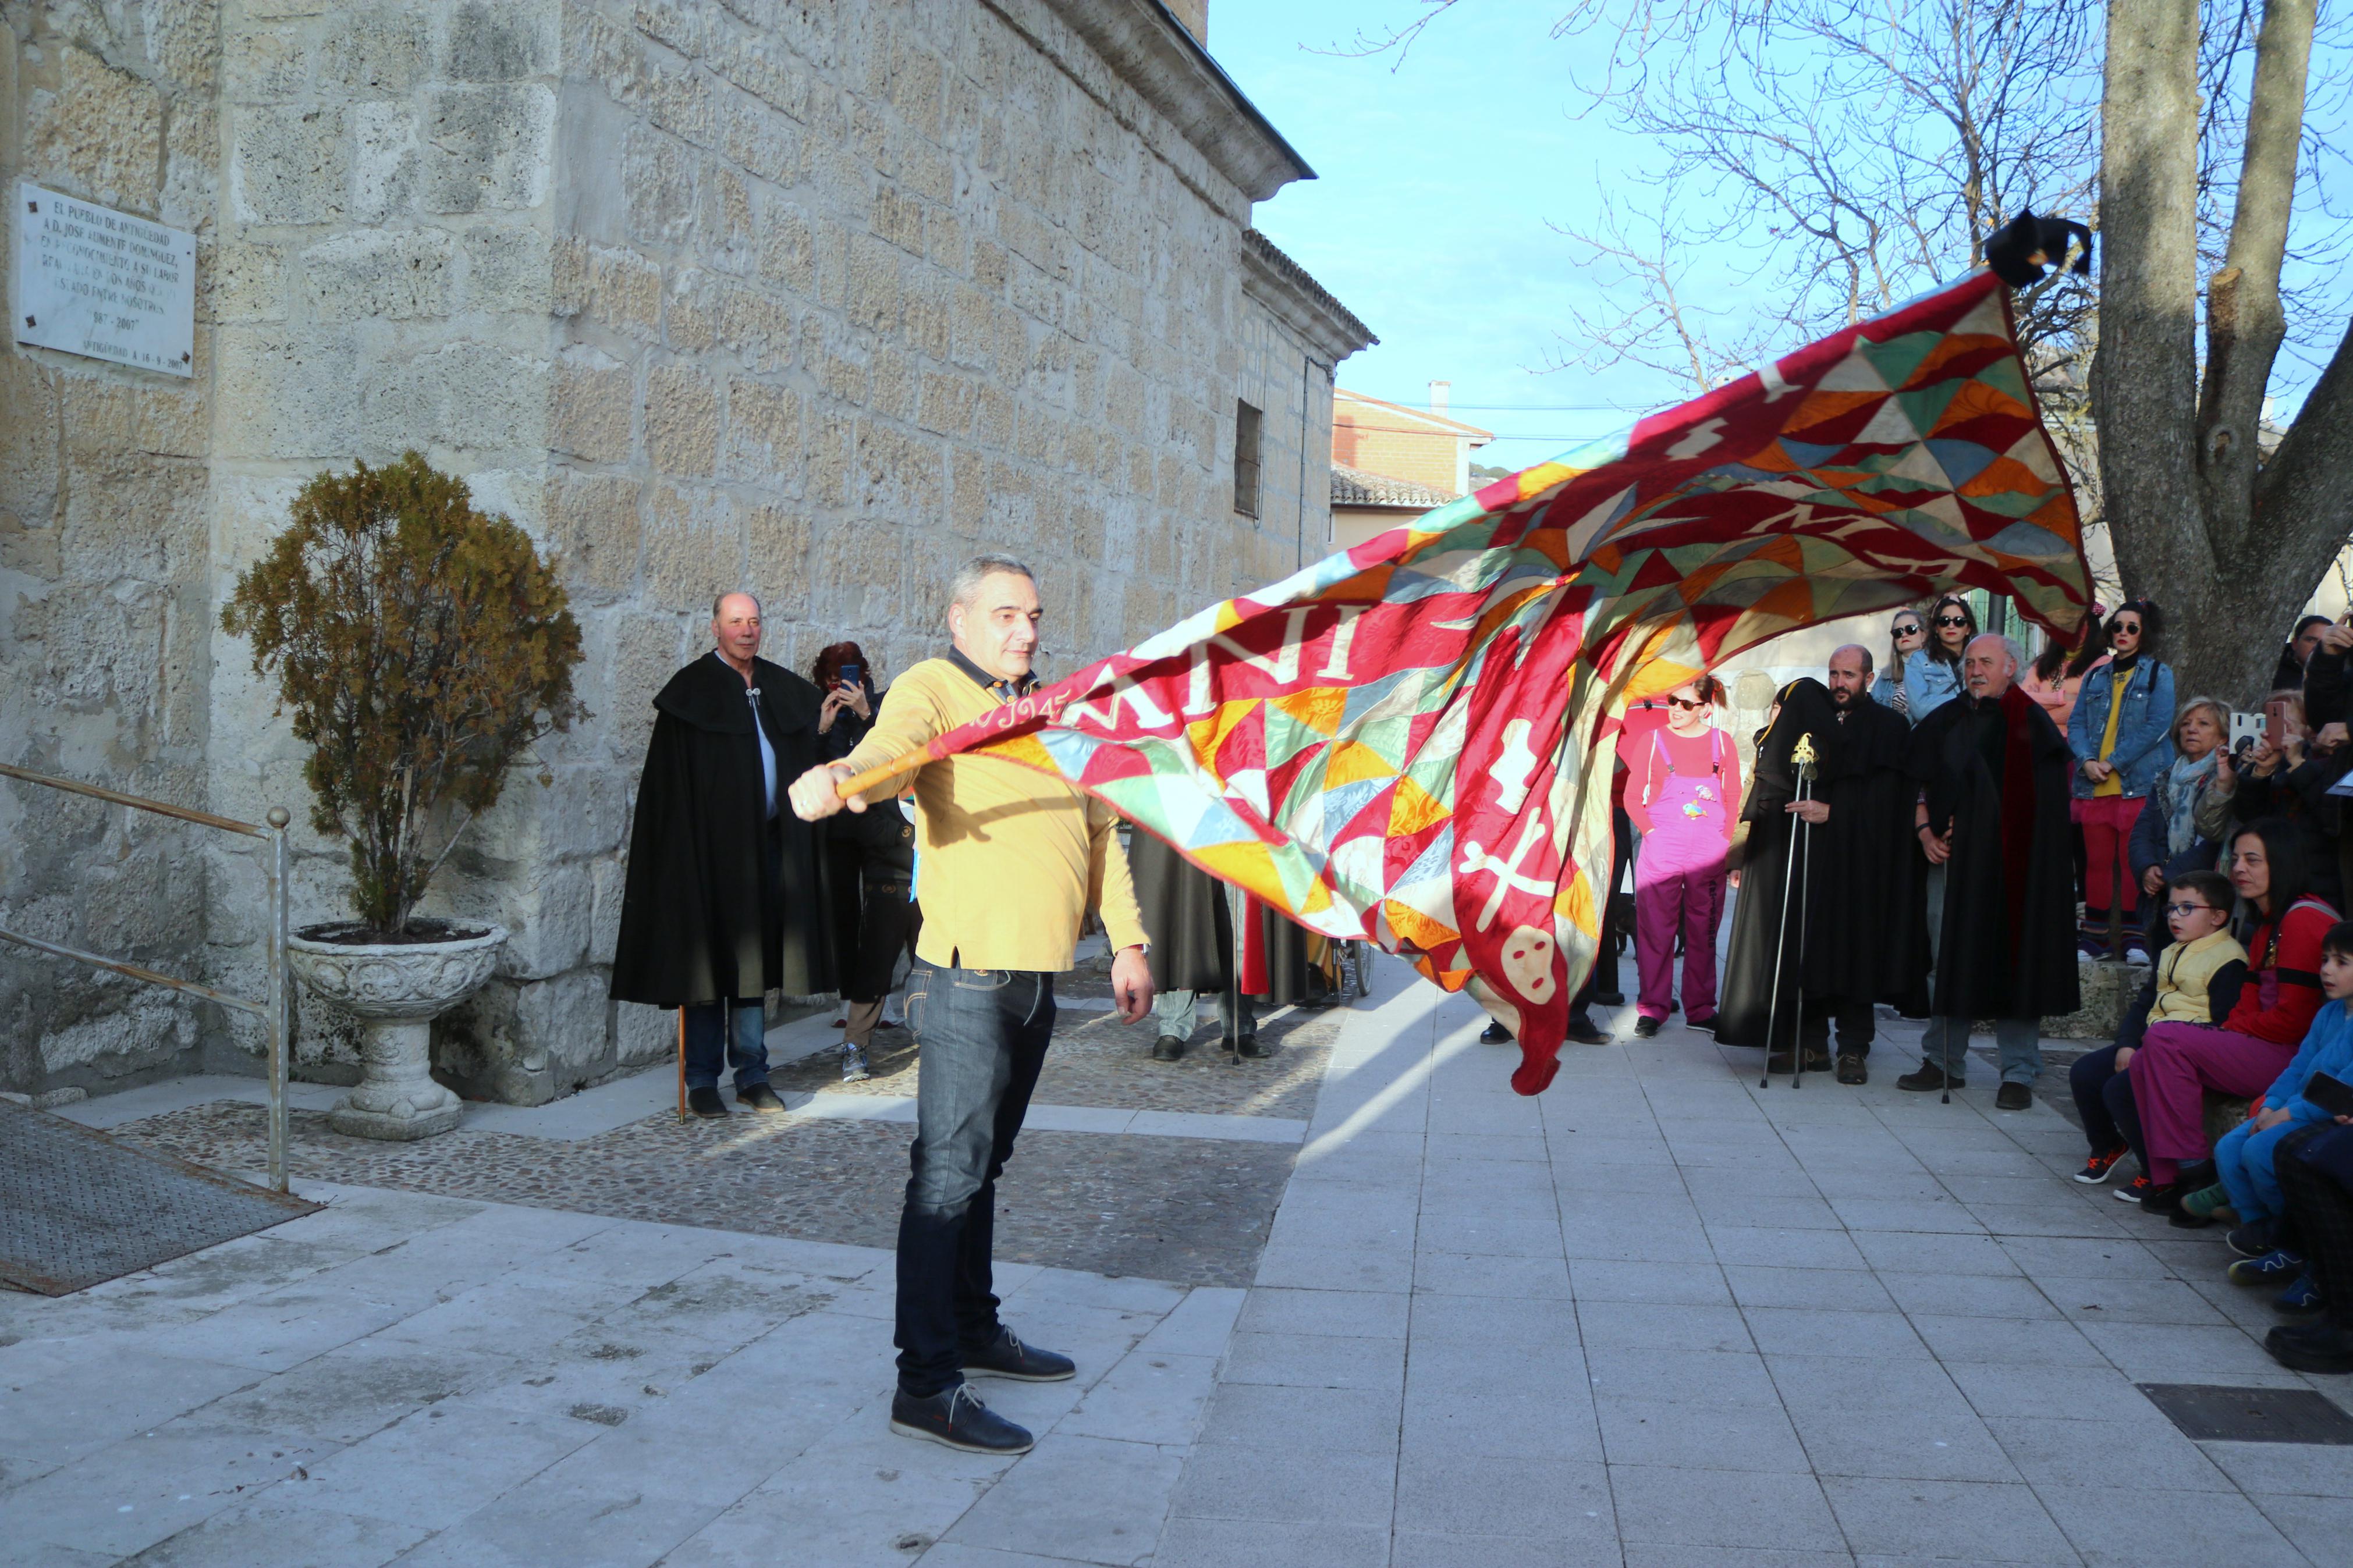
(2241, 853)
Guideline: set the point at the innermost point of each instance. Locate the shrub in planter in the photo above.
(422, 648)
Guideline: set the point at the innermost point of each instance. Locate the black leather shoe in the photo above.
(1929, 1078)
(1586, 1033)
(2013, 1096)
(1494, 1034)
(705, 1102)
(1167, 1049)
(1611, 998)
(957, 1419)
(759, 1097)
(2319, 1347)
(1009, 1357)
(1850, 1069)
(1250, 1047)
(1646, 1028)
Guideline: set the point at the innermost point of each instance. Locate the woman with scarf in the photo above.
(2119, 734)
(2180, 827)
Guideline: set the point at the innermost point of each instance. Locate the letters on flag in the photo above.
(1404, 741)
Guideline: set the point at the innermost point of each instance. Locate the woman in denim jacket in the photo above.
(1925, 671)
(2121, 732)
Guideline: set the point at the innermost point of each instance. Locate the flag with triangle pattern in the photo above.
(1407, 742)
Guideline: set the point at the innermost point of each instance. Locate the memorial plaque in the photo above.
(92, 280)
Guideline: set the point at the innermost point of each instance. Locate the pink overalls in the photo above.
(1679, 881)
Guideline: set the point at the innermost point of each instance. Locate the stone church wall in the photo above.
(105, 592)
(815, 301)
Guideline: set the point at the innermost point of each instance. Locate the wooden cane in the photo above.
(682, 1064)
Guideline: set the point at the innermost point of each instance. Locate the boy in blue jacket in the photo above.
(2243, 1157)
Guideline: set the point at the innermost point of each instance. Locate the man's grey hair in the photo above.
(1859, 650)
(2008, 645)
(965, 587)
(720, 598)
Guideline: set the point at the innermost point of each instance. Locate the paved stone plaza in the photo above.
(1655, 1317)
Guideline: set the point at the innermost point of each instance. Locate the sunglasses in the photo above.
(1907, 631)
(2186, 908)
(1692, 702)
(2131, 627)
(1952, 620)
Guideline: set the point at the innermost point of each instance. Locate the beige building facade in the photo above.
(815, 301)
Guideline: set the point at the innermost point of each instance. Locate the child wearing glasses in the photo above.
(2196, 980)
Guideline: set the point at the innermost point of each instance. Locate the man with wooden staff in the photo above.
(1008, 860)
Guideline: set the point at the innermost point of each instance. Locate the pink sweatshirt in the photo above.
(1692, 759)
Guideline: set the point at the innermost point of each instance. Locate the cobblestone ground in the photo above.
(1192, 1211)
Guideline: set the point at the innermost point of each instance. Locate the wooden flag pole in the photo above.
(884, 772)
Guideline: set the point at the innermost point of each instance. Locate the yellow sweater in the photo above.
(1010, 858)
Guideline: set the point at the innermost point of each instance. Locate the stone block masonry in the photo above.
(814, 301)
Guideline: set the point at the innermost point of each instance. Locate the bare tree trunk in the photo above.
(2230, 546)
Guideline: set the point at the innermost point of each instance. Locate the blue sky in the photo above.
(1428, 216)
(1439, 177)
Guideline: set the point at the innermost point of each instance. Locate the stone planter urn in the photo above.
(395, 990)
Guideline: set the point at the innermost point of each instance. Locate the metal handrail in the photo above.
(271, 1008)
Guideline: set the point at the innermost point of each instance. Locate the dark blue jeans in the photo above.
(745, 1045)
(2104, 1099)
(983, 1035)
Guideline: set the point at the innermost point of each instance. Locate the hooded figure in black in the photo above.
(1869, 940)
(1995, 771)
(725, 900)
(1780, 885)
(1189, 915)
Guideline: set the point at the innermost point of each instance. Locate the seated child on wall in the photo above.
(2195, 980)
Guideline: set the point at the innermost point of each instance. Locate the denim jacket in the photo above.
(1929, 683)
(2144, 733)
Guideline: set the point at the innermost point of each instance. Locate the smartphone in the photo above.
(2275, 725)
(847, 675)
(2331, 1095)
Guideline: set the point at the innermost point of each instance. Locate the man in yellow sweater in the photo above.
(1009, 860)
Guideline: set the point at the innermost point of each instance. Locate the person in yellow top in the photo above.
(1009, 860)
(2122, 735)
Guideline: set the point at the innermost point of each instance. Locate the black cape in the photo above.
(1960, 755)
(708, 909)
(1189, 919)
(1778, 892)
(1870, 937)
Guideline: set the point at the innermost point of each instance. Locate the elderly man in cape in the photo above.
(1993, 771)
(723, 902)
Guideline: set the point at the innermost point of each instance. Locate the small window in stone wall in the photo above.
(1246, 458)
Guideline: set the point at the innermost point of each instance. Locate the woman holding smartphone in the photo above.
(872, 858)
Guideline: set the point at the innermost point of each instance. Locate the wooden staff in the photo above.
(682, 1064)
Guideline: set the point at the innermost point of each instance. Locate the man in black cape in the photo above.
(1869, 941)
(1189, 914)
(1995, 772)
(1781, 888)
(724, 901)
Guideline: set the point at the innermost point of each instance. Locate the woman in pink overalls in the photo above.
(1684, 795)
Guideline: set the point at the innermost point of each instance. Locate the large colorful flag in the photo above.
(1404, 741)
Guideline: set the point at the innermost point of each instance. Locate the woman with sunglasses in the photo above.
(2121, 733)
(1681, 793)
(1920, 678)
